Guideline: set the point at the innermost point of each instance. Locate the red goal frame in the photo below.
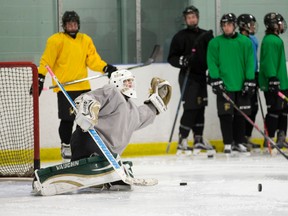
(35, 105)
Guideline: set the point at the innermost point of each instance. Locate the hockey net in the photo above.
(19, 119)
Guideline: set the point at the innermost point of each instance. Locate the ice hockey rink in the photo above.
(217, 186)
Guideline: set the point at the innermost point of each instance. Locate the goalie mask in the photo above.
(124, 80)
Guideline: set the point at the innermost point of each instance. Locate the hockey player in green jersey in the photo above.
(273, 77)
(247, 25)
(231, 69)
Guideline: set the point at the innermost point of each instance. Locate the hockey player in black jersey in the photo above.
(188, 52)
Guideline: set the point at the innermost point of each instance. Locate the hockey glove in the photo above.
(185, 61)
(41, 79)
(249, 88)
(217, 86)
(109, 69)
(160, 94)
(88, 110)
(273, 84)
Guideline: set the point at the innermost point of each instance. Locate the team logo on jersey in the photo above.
(199, 100)
(227, 106)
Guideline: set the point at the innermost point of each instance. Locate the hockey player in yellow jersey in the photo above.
(69, 53)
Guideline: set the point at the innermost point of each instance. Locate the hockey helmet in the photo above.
(246, 21)
(124, 80)
(70, 16)
(229, 17)
(191, 9)
(273, 21)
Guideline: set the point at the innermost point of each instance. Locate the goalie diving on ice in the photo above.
(109, 111)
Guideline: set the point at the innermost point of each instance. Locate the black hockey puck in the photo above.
(259, 187)
(183, 183)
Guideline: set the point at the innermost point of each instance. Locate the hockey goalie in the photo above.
(111, 112)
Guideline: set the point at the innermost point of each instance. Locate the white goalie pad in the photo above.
(157, 101)
(72, 176)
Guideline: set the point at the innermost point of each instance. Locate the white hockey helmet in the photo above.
(124, 80)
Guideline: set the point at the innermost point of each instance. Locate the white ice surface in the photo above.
(218, 186)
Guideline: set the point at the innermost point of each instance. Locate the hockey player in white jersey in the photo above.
(115, 117)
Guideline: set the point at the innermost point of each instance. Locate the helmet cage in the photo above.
(124, 80)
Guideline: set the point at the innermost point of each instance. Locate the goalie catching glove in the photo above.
(160, 94)
(88, 109)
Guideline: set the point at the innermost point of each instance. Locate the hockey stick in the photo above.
(184, 87)
(76, 81)
(254, 125)
(106, 152)
(264, 122)
(148, 62)
(280, 94)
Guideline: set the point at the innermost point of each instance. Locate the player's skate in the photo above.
(239, 148)
(281, 140)
(65, 152)
(251, 146)
(202, 146)
(227, 149)
(183, 147)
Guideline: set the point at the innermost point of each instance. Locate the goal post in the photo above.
(19, 119)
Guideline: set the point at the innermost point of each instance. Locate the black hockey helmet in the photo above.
(273, 20)
(191, 10)
(229, 17)
(70, 16)
(245, 21)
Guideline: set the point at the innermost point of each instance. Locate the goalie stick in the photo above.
(106, 152)
(150, 60)
(254, 125)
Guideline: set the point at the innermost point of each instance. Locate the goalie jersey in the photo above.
(118, 118)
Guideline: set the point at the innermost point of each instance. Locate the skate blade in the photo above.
(204, 153)
(239, 154)
(181, 152)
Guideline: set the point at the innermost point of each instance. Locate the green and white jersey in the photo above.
(232, 60)
(272, 62)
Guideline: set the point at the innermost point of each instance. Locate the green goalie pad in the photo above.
(75, 175)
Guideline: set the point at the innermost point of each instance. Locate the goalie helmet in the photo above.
(273, 21)
(247, 22)
(124, 80)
